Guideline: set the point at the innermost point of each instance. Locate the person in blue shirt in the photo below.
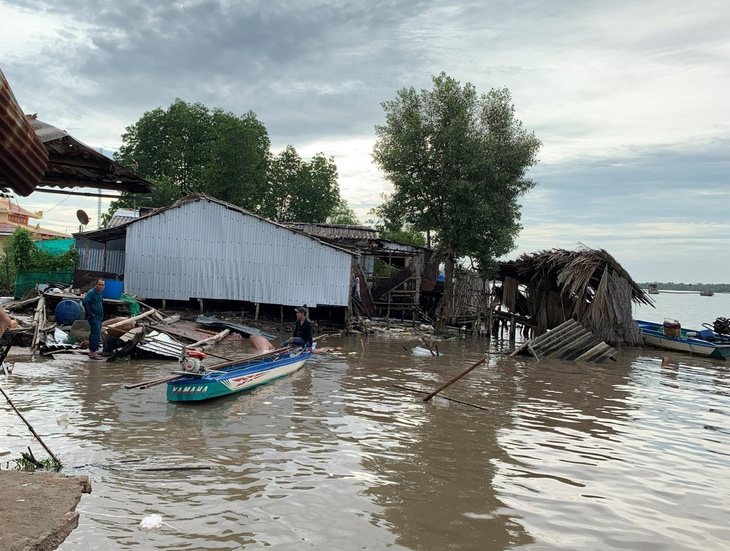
(94, 307)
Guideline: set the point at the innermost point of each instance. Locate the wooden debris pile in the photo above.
(151, 333)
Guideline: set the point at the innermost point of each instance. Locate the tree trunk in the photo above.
(444, 314)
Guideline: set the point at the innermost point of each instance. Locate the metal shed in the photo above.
(205, 248)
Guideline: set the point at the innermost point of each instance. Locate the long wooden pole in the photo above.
(12, 405)
(127, 320)
(153, 382)
(444, 397)
(210, 340)
(452, 381)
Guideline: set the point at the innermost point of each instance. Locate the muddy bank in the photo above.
(37, 511)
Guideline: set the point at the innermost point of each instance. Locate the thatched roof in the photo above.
(588, 285)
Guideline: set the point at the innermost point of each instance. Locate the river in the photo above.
(624, 455)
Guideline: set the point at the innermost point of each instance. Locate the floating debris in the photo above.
(568, 341)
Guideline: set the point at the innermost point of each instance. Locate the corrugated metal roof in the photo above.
(35, 153)
(72, 163)
(336, 231)
(122, 216)
(23, 159)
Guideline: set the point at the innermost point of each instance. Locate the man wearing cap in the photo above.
(302, 335)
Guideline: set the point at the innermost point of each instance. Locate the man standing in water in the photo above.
(302, 335)
(95, 314)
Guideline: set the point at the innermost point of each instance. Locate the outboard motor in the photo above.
(722, 326)
(192, 362)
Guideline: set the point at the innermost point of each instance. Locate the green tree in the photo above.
(391, 225)
(20, 249)
(190, 148)
(301, 191)
(240, 160)
(343, 214)
(21, 254)
(458, 162)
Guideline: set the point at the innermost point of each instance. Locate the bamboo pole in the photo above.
(442, 396)
(153, 382)
(452, 381)
(40, 320)
(425, 343)
(12, 405)
(127, 320)
(209, 340)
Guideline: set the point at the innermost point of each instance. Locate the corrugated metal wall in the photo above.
(203, 249)
(95, 258)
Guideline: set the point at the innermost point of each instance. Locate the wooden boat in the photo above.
(198, 383)
(707, 293)
(703, 343)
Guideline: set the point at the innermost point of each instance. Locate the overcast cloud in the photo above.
(629, 98)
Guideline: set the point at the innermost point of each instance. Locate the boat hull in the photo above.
(234, 378)
(653, 335)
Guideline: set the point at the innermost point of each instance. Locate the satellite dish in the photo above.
(82, 217)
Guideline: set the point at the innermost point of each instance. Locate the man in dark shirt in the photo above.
(95, 314)
(302, 335)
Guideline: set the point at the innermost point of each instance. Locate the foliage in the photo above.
(343, 214)
(27, 462)
(190, 148)
(390, 225)
(301, 191)
(22, 254)
(406, 234)
(458, 162)
(20, 248)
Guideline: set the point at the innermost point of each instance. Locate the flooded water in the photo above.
(624, 455)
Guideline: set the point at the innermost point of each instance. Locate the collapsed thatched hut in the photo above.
(588, 285)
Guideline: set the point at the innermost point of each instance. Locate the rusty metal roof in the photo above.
(335, 231)
(72, 163)
(34, 153)
(23, 159)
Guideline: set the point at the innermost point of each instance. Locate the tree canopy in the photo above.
(458, 162)
(189, 148)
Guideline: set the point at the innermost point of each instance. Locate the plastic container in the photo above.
(113, 289)
(672, 328)
(68, 311)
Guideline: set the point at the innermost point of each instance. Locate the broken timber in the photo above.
(568, 341)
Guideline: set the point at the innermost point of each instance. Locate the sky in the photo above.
(629, 99)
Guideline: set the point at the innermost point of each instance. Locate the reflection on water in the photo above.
(625, 455)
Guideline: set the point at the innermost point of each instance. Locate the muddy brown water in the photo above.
(624, 455)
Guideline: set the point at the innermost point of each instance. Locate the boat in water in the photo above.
(197, 382)
(653, 288)
(671, 336)
(707, 293)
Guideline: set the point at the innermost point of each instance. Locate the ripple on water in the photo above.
(627, 455)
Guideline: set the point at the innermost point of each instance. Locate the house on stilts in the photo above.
(202, 249)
